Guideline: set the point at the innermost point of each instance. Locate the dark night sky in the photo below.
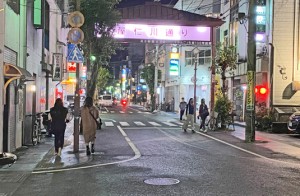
(127, 3)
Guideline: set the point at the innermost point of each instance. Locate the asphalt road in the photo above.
(137, 148)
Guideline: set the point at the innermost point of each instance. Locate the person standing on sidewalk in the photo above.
(190, 109)
(182, 107)
(172, 105)
(58, 115)
(203, 113)
(89, 126)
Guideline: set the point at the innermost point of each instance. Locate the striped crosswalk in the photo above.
(142, 124)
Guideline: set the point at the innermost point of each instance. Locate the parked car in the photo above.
(294, 123)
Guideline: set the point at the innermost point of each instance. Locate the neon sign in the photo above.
(161, 32)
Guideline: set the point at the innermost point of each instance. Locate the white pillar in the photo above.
(2, 26)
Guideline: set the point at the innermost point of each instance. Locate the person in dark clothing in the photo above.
(190, 109)
(182, 107)
(203, 113)
(58, 115)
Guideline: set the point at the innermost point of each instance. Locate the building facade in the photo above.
(34, 34)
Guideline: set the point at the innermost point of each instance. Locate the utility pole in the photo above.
(76, 101)
(251, 74)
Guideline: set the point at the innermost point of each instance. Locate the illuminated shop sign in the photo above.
(161, 32)
(260, 21)
(174, 67)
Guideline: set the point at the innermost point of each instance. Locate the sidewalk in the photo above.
(41, 156)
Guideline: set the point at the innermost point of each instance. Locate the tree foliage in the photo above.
(101, 17)
(103, 77)
(225, 61)
(148, 73)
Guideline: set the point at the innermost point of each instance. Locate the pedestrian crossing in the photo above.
(142, 124)
(121, 112)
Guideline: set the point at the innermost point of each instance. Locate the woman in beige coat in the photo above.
(89, 124)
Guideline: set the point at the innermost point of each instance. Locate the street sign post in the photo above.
(74, 54)
(76, 36)
(76, 19)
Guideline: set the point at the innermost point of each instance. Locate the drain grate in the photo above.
(162, 181)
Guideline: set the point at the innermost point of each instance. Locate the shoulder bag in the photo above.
(99, 123)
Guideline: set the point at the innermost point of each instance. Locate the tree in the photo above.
(102, 77)
(148, 73)
(225, 61)
(101, 17)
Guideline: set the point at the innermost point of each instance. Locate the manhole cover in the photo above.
(162, 181)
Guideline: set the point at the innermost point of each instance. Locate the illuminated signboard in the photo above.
(71, 67)
(260, 21)
(161, 32)
(174, 67)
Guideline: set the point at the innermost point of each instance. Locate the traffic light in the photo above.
(261, 93)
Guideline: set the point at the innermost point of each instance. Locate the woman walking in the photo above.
(89, 114)
(190, 109)
(58, 115)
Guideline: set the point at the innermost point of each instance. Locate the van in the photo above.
(105, 100)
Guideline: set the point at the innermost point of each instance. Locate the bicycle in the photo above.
(36, 134)
(213, 121)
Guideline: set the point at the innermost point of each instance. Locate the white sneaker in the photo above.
(59, 152)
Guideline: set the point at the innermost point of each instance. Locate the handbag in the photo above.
(99, 123)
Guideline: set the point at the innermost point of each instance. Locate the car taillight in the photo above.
(124, 102)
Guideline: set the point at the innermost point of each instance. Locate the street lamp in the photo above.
(195, 52)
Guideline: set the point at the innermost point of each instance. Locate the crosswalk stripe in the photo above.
(104, 112)
(130, 112)
(155, 124)
(122, 112)
(169, 124)
(112, 111)
(139, 123)
(109, 124)
(124, 124)
(180, 123)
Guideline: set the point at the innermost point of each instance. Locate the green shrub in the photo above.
(223, 107)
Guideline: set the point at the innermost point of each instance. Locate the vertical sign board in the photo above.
(250, 91)
(174, 67)
(57, 67)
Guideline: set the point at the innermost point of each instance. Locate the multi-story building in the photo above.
(33, 36)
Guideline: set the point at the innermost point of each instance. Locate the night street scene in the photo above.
(150, 97)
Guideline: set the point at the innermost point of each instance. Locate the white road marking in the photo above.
(122, 112)
(130, 112)
(124, 124)
(138, 123)
(112, 112)
(155, 124)
(170, 124)
(109, 124)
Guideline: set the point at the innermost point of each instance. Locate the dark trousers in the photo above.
(202, 126)
(181, 114)
(59, 140)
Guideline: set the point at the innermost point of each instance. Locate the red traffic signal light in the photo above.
(124, 102)
(261, 90)
(261, 93)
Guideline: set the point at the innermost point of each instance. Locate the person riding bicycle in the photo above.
(203, 113)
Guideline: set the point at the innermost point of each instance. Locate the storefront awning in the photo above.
(15, 71)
